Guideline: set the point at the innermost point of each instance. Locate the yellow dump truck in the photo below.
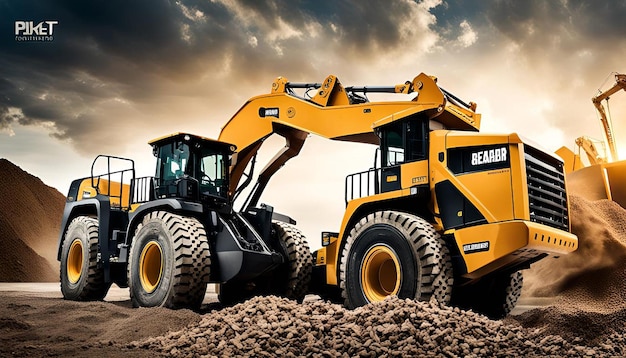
(447, 212)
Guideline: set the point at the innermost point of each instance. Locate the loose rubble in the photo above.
(587, 319)
(277, 327)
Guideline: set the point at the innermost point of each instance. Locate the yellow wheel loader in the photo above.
(447, 213)
(166, 237)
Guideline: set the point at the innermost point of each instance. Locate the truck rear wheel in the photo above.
(81, 278)
(169, 262)
(494, 296)
(392, 253)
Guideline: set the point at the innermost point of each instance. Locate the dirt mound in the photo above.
(593, 278)
(30, 217)
(271, 326)
(42, 327)
(19, 263)
(580, 327)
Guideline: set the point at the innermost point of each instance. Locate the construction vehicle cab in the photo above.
(166, 237)
(192, 167)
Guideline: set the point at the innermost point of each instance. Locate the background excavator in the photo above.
(446, 213)
(605, 175)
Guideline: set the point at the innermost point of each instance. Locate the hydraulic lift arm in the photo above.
(334, 112)
(620, 84)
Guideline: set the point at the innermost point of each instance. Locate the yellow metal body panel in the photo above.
(509, 242)
(112, 189)
(571, 160)
(519, 184)
(415, 173)
(600, 181)
(329, 114)
(321, 257)
(500, 195)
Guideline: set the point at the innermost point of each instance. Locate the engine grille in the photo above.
(546, 189)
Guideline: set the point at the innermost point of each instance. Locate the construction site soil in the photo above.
(586, 315)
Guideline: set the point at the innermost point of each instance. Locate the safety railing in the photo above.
(113, 176)
(362, 184)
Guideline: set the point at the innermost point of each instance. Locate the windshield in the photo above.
(172, 162)
(212, 176)
(207, 165)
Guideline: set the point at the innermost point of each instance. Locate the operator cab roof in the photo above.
(192, 139)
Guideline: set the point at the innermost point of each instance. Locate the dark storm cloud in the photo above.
(101, 50)
(536, 24)
(116, 55)
(560, 49)
(602, 20)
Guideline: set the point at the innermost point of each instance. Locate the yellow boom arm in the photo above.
(620, 83)
(334, 112)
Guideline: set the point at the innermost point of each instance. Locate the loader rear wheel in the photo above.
(169, 262)
(291, 279)
(81, 278)
(494, 296)
(392, 253)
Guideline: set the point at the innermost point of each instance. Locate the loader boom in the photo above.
(334, 112)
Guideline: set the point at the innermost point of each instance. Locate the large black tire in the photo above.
(392, 253)
(291, 279)
(169, 263)
(81, 278)
(494, 296)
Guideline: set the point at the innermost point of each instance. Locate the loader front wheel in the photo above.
(392, 253)
(494, 296)
(81, 278)
(169, 262)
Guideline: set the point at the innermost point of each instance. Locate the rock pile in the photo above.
(272, 326)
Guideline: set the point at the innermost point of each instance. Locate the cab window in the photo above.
(404, 141)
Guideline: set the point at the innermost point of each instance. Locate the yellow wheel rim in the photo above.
(75, 261)
(380, 273)
(151, 266)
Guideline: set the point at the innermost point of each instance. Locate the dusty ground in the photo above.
(585, 294)
(36, 321)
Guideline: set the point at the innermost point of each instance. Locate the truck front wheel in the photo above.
(495, 296)
(169, 262)
(392, 253)
(81, 278)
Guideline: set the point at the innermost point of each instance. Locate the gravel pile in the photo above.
(272, 326)
(587, 319)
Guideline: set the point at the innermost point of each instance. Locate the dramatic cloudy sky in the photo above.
(119, 73)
